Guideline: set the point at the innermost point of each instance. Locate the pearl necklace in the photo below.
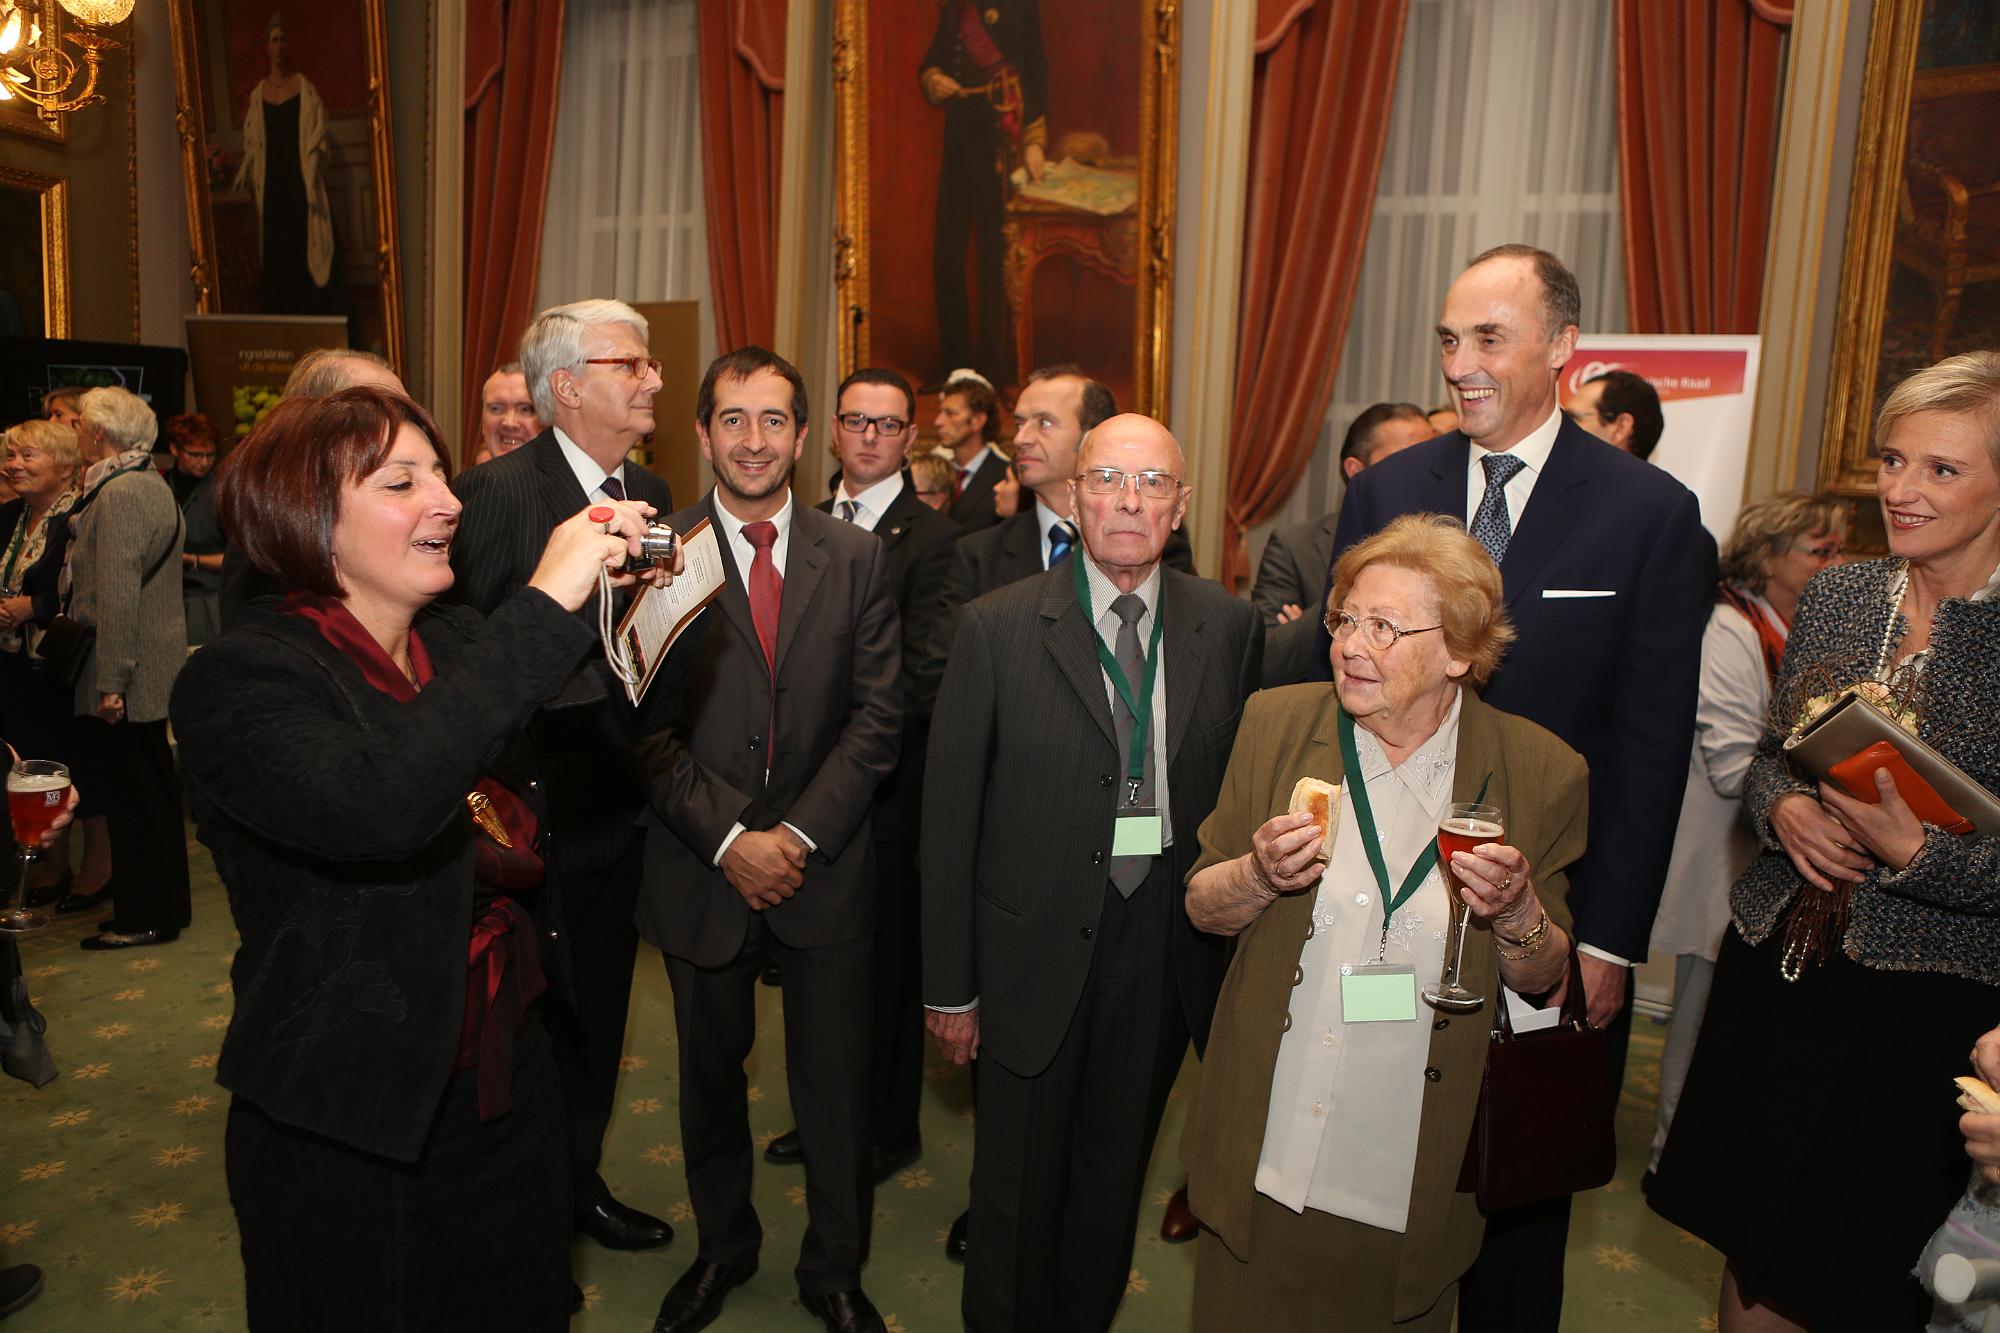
(1896, 591)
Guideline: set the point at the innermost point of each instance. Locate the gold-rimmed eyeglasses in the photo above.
(1376, 632)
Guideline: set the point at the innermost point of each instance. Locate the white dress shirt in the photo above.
(744, 553)
(1347, 1098)
(872, 503)
(1533, 451)
(972, 465)
(588, 474)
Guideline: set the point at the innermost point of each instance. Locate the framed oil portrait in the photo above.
(287, 163)
(20, 116)
(34, 255)
(1920, 279)
(1006, 188)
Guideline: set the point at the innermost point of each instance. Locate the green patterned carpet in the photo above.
(111, 1176)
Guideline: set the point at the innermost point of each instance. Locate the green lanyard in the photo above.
(1142, 707)
(1371, 841)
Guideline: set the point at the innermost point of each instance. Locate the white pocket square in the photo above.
(1579, 592)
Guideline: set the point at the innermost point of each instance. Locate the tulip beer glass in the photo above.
(37, 791)
(1463, 827)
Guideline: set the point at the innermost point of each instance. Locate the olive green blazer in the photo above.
(1541, 787)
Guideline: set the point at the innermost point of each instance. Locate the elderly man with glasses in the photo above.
(1079, 740)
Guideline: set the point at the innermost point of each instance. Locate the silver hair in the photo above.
(122, 416)
(554, 341)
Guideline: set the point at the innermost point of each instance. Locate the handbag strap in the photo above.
(1574, 1012)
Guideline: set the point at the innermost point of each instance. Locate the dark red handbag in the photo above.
(1544, 1125)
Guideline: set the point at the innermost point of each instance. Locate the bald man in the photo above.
(1057, 948)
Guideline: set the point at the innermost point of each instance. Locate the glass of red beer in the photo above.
(1463, 826)
(37, 791)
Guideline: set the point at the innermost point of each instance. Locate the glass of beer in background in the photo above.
(1463, 827)
(37, 791)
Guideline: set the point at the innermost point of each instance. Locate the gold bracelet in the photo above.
(1529, 944)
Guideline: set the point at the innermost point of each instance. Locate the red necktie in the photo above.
(767, 589)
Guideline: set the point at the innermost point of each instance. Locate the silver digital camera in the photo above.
(657, 546)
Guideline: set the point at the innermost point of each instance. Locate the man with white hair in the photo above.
(593, 380)
(125, 581)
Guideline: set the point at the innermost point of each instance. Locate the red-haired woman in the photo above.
(395, 1151)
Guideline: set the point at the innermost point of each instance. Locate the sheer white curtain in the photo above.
(624, 214)
(1504, 128)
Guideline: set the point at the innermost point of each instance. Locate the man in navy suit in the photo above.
(1604, 563)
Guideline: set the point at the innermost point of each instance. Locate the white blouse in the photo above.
(1346, 1098)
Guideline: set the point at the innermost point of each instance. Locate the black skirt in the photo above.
(474, 1235)
(1816, 1144)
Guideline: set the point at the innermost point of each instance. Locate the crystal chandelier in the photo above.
(43, 72)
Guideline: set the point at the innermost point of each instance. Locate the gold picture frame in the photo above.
(890, 313)
(47, 208)
(19, 115)
(1896, 304)
(208, 44)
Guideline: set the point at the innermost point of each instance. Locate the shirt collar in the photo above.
(976, 462)
(1427, 773)
(877, 498)
(588, 474)
(1103, 591)
(732, 526)
(1533, 451)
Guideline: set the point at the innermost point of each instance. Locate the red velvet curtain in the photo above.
(1699, 83)
(1326, 70)
(742, 122)
(513, 59)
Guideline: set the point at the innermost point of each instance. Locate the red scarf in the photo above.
(497, 953)
(1770, 634)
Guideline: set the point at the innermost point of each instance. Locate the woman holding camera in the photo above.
(395, 1152)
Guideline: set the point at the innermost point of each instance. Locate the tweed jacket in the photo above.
(130, 525)
(1542, 788)
(336, 816)
(1941, 913)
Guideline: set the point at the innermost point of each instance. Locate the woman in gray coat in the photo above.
(125, 582)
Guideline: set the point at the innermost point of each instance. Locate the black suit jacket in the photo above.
(588, 734)
(973, 509)
(839, 719)
(1022, 793)
(918, 540)
(1292, 569)
(1615, 676)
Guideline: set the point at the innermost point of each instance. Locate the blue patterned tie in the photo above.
(613, 488)
(1062, 540)
(848, 509)
(1491, 526)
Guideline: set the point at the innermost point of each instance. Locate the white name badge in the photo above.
(1136, 833)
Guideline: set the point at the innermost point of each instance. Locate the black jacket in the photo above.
(38, 581)
(336, 816)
